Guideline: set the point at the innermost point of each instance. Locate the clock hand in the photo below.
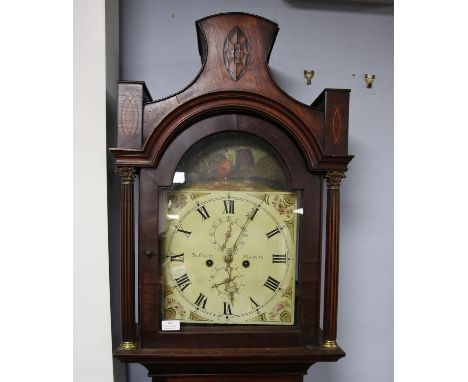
(221, 283)
(227, 237)
(231, 290)
(233, 249)
(231, 297)
(226, 281)
(230, 252)
(230, 287)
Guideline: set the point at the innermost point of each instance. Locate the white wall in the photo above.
(92, 349)
(341, 43)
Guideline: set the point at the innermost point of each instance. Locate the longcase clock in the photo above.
(231, 175)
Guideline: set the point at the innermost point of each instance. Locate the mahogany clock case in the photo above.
(233, 93)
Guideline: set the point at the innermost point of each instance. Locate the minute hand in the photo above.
(233, 249)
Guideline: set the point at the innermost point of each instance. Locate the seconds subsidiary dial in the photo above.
(230, 257)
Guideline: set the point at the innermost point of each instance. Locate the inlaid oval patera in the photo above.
(336, 125)
(129, 113)
(236, 53)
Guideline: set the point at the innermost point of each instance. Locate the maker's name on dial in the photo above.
(201, 255)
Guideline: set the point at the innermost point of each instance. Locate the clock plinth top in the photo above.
(268, 361)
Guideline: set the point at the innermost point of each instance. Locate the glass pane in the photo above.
(229, 235)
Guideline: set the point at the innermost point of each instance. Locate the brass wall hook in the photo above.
(369, 79)
(308, 75)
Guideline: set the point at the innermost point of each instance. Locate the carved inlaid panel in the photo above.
(132, 97)
(236, 53)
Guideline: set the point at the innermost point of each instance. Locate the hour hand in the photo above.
(226, 281)
(221, 283)
(227, 237)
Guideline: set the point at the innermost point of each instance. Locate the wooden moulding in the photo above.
(223, 362)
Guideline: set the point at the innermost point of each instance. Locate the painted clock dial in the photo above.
(230, 258)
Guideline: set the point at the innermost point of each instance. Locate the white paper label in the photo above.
(170, 325)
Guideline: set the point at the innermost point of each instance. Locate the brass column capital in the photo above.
(334, 179)
(127, 174)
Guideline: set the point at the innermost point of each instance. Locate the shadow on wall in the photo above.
(383, 7)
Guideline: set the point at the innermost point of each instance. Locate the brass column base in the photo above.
(128, 345)
(329, 344)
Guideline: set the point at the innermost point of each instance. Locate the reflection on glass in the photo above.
(179, 177)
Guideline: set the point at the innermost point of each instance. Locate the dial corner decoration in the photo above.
(236, 53)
